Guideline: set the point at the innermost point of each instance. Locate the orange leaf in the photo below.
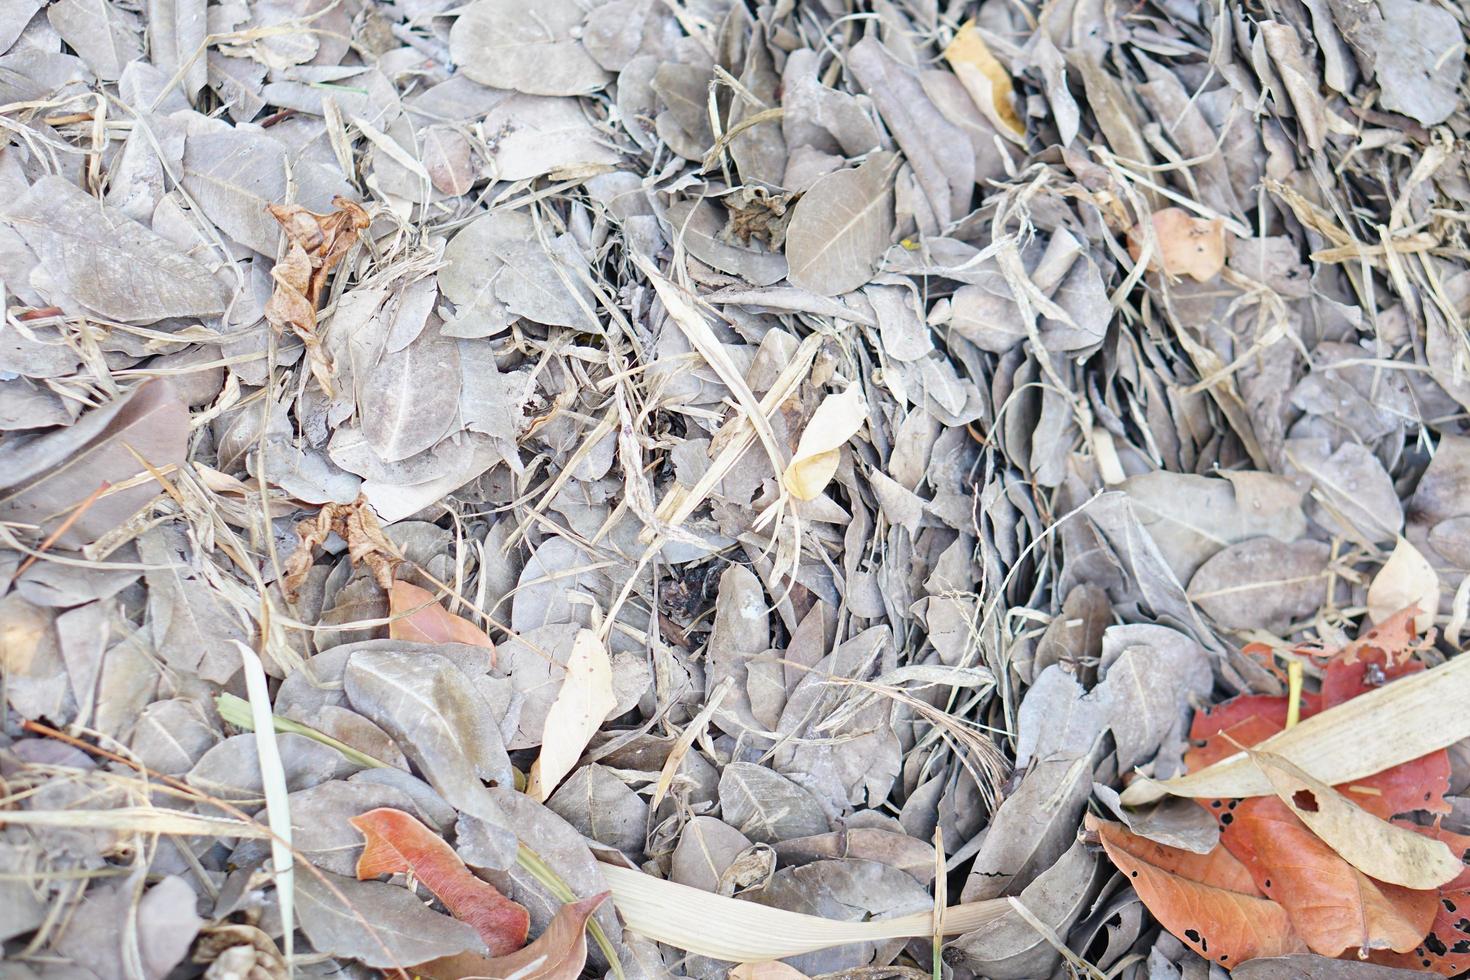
(418, 617)
(1224, 926)
(559, 953)
(1187, 246)
(1333, 906)
(396, 843)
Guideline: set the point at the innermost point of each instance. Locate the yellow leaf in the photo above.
(835, 421)
(986, 79)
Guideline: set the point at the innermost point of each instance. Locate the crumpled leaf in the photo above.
(396, 843)
(356, 524)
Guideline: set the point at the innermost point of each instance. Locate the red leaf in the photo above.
(395, 843)
(1224, 926)
(1333, 906)
(418, 617)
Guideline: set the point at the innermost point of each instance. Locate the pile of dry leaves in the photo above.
(741, 476)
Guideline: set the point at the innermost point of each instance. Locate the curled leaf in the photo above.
(835, 421)
(395, 842)
(559, 953)
(356, 524)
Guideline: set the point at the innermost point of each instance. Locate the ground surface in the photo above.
(800, 445)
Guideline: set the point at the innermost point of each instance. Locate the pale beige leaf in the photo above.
(1406, 579)
(766, 970)
(585, 699)
(1371, 844)
(986, 79)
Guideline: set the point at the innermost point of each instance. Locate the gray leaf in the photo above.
(232, 175)
(1262, 584)
(439, 719)
(410, 399)
(1153, 675)
(706, 847)
(841, 228)
(381, 925)
(508, 44)
(497, 268)
(766, 806)
(602, 807)
(105, 37)
(108, 262)
(1354, 495)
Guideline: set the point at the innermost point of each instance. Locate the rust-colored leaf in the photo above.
(395, 842)
(1333, 906)
(418, 617)
(1225, 926)
(559, 953)
(315, 243)
(356, 524)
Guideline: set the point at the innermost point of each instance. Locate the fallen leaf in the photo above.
(841, 227)
(1187, 246)
(396, 843)
(382, 925)
(315, 243)
(765, 970)
(506, 44)
(356, 524)
(1220, 924)
(1333, 906)
(986, 79)
(1374, 846)
(585, 698)
(559, 953)
(1446, 948)
(417, 616)
(836, 420)
(1406, 579)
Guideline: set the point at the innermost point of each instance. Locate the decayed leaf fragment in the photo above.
(418, 617)
(356, 524)
(1374, 846)
(315, 244)
(986, 79)
(396, 842)
(1187, 246)
(585, 698)
(835, 421)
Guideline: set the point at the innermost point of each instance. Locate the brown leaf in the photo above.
(559, 953)
(1225, 926)
(356, 524)
(315, 244)
(397, 843)
(417, 616)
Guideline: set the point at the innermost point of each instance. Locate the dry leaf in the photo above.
(836, 420)
(417, 616)
(841, 227)
(354, 523)
(1374, 846)
(765, 970)
(1220, 924)
(1406, 579)
(315, 243)
(1187, 246)
(559, 953)
(986, 79)
(396, 843)
(585, 699)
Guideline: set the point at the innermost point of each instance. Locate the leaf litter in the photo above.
(702, 486)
